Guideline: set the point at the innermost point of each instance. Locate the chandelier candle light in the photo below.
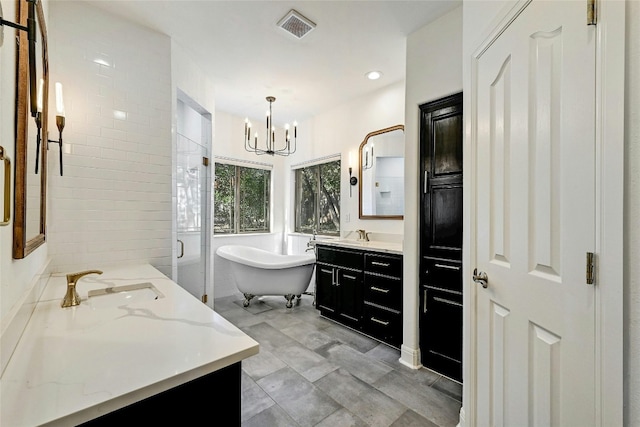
(270, 143)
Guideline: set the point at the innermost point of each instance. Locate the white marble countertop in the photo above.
(75, 364)
(373, 245)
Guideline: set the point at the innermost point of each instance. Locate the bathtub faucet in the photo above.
(311, 244)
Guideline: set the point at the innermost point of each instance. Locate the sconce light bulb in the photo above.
(40, 89)
(286, 126)
(59, 100)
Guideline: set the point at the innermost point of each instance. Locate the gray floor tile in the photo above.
(262, 364)
(254, 399)
(311, 371)
(411, 419)
(449, 387)
(302, 400)
(274, 416)
(307, 334)
(255, 306)
(305, 361)
(340, 418)
(367, 369)
(426, 401)
(369, 404)
(354, 339)
(269, 337)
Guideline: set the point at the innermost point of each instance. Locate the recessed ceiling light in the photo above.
(373, 75)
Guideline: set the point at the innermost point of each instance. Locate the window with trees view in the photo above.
(317, 198)
(241, 199)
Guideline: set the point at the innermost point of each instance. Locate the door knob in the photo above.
(480, 278)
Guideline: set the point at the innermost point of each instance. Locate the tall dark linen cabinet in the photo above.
(441, 236)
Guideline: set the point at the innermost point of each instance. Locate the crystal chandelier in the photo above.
(270, 143)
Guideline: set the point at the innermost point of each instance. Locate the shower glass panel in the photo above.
(191, 183)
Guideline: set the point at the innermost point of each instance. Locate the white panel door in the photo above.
(535, 210)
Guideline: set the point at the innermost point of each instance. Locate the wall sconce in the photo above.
(59, 123)
(367, 164)
(352, 179)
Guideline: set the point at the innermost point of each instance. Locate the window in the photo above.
(242, 199)
(317, 198)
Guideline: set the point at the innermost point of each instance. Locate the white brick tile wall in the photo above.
(113, 204)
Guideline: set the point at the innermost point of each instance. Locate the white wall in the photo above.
(341, 130)
(114, 203)
(631, 218)
(434, 70)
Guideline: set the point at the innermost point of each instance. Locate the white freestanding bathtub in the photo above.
(258, 272)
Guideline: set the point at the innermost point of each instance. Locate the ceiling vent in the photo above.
(296, 24)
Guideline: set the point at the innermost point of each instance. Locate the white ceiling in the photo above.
(249, 57)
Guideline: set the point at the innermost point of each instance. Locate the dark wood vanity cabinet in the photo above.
(361, 290)
(441, 236)
(339, 274)
(383, 298)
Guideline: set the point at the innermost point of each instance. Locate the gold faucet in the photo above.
(363, 235)
(72, 298)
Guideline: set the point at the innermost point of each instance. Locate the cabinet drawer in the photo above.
(383, 291)
(442, 274)
(383, 324)
(383, 264)
(340, 257)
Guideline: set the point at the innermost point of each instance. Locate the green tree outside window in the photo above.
(317, 198)
(242, 199)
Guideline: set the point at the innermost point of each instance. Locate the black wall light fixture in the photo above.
(352, 180)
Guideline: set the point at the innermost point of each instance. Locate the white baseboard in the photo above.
(410, 357)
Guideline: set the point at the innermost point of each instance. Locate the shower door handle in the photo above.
(181, 248)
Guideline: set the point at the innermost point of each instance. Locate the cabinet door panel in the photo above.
(447, 132)
(325, 288)
(349, 286)
(446, 218)
(441, 332)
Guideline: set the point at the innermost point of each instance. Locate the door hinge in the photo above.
(592, 12)
(591, 268)
(205, 298)
(205, 161)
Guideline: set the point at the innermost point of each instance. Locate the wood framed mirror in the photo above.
(29, 224)
(381, 174)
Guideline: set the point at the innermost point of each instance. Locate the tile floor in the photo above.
(314, 372)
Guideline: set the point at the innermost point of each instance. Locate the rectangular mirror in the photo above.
(381, 174)
(31, 150)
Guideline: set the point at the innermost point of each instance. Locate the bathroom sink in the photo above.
(123, 295)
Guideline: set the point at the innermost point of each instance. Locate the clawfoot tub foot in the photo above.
(289, 298)
(247, 299)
